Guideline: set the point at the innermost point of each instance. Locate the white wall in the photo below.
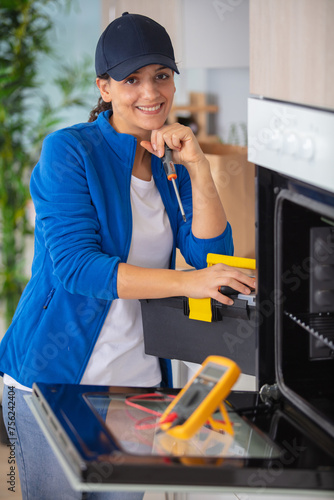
(215, 59)
(215, 33)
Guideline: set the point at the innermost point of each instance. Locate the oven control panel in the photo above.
(293, 140)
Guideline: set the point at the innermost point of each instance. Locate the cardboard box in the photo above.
(234, 177)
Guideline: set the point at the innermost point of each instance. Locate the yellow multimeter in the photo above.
(201, 397)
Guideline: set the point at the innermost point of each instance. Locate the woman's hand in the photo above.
(207, 282)
(181, 140)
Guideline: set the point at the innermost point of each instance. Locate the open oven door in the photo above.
(105, 444)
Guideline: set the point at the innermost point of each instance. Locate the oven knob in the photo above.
(291, 143)
(307, 148)
(276, 140)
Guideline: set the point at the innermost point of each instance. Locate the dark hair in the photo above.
(101, 104)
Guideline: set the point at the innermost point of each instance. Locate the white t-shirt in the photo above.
(118, 357)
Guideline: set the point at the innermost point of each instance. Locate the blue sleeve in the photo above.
(193, 249)
(69, 220)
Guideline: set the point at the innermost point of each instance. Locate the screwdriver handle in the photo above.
(167, 161)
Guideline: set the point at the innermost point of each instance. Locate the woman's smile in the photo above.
(150, 109)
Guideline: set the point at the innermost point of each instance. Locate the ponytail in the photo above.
(101, 104)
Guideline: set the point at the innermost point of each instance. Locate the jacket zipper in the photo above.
(48, 298)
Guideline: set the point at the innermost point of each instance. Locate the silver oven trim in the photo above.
(296, 141)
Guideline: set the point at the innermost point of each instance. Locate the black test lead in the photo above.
(169, 167)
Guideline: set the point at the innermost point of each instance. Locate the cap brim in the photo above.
(126, 68)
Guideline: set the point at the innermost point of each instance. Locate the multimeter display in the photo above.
(212, 371)
(201, 396)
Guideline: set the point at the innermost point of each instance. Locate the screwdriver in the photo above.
(169, 167)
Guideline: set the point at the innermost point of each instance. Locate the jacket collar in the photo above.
(124, 145)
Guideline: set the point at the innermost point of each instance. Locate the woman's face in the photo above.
(142, 101)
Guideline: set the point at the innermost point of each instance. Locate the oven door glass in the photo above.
(103, 443)
(138, 433)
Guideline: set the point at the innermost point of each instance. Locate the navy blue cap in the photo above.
(131, 42)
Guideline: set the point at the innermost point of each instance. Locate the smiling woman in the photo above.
(107, 227)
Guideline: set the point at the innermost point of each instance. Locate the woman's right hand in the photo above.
(206, 282)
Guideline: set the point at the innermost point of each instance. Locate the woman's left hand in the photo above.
(181, 140)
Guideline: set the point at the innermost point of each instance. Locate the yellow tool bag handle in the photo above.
(200, 309)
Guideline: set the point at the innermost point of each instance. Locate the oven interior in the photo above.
(304, 282)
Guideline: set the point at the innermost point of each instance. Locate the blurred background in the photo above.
(48, 82)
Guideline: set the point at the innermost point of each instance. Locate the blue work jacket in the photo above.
(81, 192)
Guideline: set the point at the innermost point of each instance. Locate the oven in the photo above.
(284, 430)
(295, 253)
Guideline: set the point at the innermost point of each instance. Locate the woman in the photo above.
(107, 227)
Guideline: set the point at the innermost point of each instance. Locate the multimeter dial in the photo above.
(201, 396)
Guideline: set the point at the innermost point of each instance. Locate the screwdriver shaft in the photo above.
(169, 168)
(179, 200)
